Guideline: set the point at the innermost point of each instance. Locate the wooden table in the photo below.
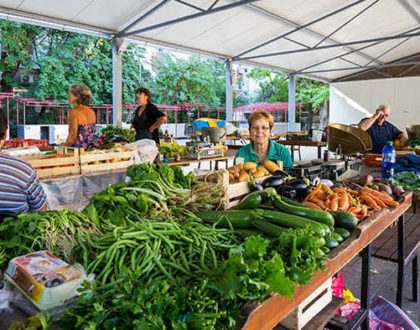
(303, 143)
(230, 154)
(270, 312)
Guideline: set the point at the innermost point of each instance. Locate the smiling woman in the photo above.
(261, 147)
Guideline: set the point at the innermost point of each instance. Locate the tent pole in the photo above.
(229, 92)
(116, 81)
(292, 102)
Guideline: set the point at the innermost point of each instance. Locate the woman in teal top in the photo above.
(261, 147)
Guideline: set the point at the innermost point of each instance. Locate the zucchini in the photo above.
(293, 202)
(293, 221)
(330, 242)
(245, 233)
(237, 218)
(268, 228)
(249, 202)
(344, 233)
(344, 219)
(325, 249)
(310, 213)
(337, 237)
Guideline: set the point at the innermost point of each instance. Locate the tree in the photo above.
(65, 58)
(274, 88)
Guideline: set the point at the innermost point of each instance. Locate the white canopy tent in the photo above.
(324, 39)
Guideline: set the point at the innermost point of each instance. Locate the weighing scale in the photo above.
(347, 143)
(203, 149)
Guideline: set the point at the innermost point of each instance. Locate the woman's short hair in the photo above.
(145, 91)
(256, 115)
(82, 93)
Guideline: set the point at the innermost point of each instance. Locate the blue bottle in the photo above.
(388, 160)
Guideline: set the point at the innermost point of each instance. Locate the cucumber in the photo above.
(309, 213)
(238, 218)
(249, 202)
(344, 219)
(344, 233)
(293, 221)
(337, 237)
(268, 228)
(330, 242)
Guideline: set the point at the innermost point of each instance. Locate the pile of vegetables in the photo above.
(246, 171)
(406, 180)
(361, 202)
(57, 231)
(158, 265)
(116, 134)
(172, 149)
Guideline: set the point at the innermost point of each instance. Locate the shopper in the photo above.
(380, 130)
(81, 119)
(261, 147)
(20, 190)
(148, 118)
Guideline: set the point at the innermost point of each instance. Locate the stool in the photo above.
(292, 150)
(412, 257)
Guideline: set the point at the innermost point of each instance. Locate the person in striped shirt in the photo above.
(20, 190)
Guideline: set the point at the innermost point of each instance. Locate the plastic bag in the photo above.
(146, 149)
(337, 286)
(388, 312)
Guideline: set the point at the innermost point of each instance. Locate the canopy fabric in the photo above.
(319, 39)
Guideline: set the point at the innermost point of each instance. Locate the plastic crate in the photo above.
(20, 143)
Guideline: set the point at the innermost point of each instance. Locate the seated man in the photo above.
(380, 130)
(20, 190)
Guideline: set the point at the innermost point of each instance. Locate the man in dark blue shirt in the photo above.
(380, 130)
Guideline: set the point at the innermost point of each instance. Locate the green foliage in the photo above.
(274, 88)
(188, 80)
(65, 58)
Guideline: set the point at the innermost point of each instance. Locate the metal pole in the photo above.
(116, 82)
(229, 92)
(292, 102)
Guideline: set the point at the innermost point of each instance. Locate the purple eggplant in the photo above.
(273, 182)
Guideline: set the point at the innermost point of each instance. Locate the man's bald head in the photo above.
(382, 112)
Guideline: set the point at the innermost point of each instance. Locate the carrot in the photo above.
(310, 204)
(326, 190)
(353, 192)
(392, 203)
(343, 203)
(321, 195)
(334, 205)
(354, 210)
(317, 188)
(321, 204)
(376, 193)
(340, 190)
(377, 200)
(327, 203)
(369, 201)
(364, 212)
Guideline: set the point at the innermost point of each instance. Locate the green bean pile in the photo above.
(56, 231)
(156, 249)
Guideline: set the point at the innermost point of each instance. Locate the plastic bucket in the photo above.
(215, 134)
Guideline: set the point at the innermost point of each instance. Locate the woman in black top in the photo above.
(148, 118)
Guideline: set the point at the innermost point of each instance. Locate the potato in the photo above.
(262, 168)
(243, 177)
(249, 165)
(236, 175)
(252, 170)
(212, 177)
(233, 169)
(240, 166)
(259, 174)
(231, 178)
(271, 166)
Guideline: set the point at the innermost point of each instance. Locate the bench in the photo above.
(386, 247)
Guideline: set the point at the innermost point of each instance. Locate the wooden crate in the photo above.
(233, 193)
(310, 307)
(108, 161)
(48, 167)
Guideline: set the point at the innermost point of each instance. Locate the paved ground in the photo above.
(383, 282)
